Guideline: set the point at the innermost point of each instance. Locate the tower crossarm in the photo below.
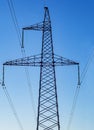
(26, 61)
(36, 61)
(61, 61)
(38, 27)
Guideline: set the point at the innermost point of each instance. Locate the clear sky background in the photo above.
(73, 38)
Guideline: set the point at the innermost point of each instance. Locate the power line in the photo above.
(14, 18)
(12, 107)
(73, 107)
(87, 66)
(83, 75)
(74, 100)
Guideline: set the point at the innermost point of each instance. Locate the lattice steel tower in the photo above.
(48, 114)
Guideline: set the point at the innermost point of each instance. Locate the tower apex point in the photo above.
(46, 7)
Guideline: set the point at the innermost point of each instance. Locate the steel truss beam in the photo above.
(36, 61)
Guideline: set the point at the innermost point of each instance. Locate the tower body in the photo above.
(48, 116)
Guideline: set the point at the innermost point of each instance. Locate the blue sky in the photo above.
(73, 38)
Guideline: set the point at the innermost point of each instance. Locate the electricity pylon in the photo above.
(48, 113)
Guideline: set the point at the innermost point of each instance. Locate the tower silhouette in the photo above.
(48, 113)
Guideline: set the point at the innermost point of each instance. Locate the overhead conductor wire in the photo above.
(11, 103)
(12, 107)
(74, 100)
(82, 80)
(14, 18)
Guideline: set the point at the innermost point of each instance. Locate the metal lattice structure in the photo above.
(48, 114)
